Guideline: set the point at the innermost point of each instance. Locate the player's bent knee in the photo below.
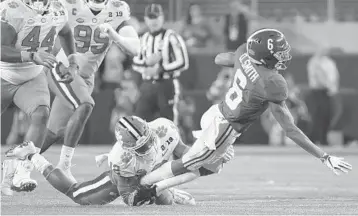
(41, 114)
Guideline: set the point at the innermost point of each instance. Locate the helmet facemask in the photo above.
(40, 6)
(283, 58)
(97, 5)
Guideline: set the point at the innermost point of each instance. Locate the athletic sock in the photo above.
(40, 162)
(66, 156)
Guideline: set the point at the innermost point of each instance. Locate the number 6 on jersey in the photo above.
(234, 96)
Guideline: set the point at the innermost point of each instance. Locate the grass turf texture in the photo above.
(260, 180)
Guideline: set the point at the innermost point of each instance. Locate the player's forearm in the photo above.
(68, 43)
(303, 141)
(176, 180)
(13, 55)
(129, 44)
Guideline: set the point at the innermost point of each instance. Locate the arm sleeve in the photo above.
(175, 54)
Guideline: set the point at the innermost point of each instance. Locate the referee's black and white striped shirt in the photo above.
(174, 53)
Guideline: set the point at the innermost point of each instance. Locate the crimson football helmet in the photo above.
(269, 48)
(40, 6)
(135, 135)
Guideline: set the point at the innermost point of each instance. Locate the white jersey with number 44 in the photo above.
(129, 164)
(34, 32)
(91, 44)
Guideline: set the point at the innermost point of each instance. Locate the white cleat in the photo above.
(21, 151)
(22, 181)
(182, 197)
(8, 171)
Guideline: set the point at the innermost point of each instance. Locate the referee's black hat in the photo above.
(153, 11)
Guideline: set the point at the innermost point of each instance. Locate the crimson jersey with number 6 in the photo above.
(91, 44)
(253, 88)
(34, 32)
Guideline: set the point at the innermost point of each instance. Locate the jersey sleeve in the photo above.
(276, 88)
(11, 13)
(121, 161)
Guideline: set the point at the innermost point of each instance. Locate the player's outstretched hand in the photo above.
(336, 164)
(143, 195)
(44, 58)
(64, 74)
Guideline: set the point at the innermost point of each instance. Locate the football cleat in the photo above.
(182, 197)
(21, 151)
(8, 171)
(22, 181)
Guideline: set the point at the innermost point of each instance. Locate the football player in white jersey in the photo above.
(140, 148)
(28, 32)
(96, 24)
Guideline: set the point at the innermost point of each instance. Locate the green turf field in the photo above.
(260, 180)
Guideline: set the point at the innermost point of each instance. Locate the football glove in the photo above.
(64, 73)
(143, 195)
(336, 164)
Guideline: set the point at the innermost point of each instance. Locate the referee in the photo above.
(163, 56)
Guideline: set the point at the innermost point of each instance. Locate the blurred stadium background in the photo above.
(311, 26)
(262, 179)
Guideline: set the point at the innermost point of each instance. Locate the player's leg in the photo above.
(168, 99)
(146, 106)
(77, 96)
(59, 116)
(32, 97)
(98, 191)
(209, 148)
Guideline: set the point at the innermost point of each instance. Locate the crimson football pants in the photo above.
(98, 191)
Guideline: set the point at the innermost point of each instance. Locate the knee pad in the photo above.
(41, 114)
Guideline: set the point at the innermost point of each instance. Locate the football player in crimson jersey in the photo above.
(257, 86)
(140, 148)
(28, 32)
(96, 24)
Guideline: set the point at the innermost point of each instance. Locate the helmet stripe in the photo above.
(131, 128)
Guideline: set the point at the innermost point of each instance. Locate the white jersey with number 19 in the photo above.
(91, 44)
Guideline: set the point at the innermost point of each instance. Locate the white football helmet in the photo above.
(40, 6)
(97, 5)
(135, 135)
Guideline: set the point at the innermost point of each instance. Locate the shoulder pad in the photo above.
(241, 50)
(276, 88)
(163, 127)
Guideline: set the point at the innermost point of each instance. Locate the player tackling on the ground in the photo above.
(257, 86)
(28, 31)
(140, 148)
(96, 25)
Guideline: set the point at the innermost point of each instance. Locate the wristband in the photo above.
(27, 56)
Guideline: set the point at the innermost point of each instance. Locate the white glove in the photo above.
(100, 159)
(104, 28)
(336, 164)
